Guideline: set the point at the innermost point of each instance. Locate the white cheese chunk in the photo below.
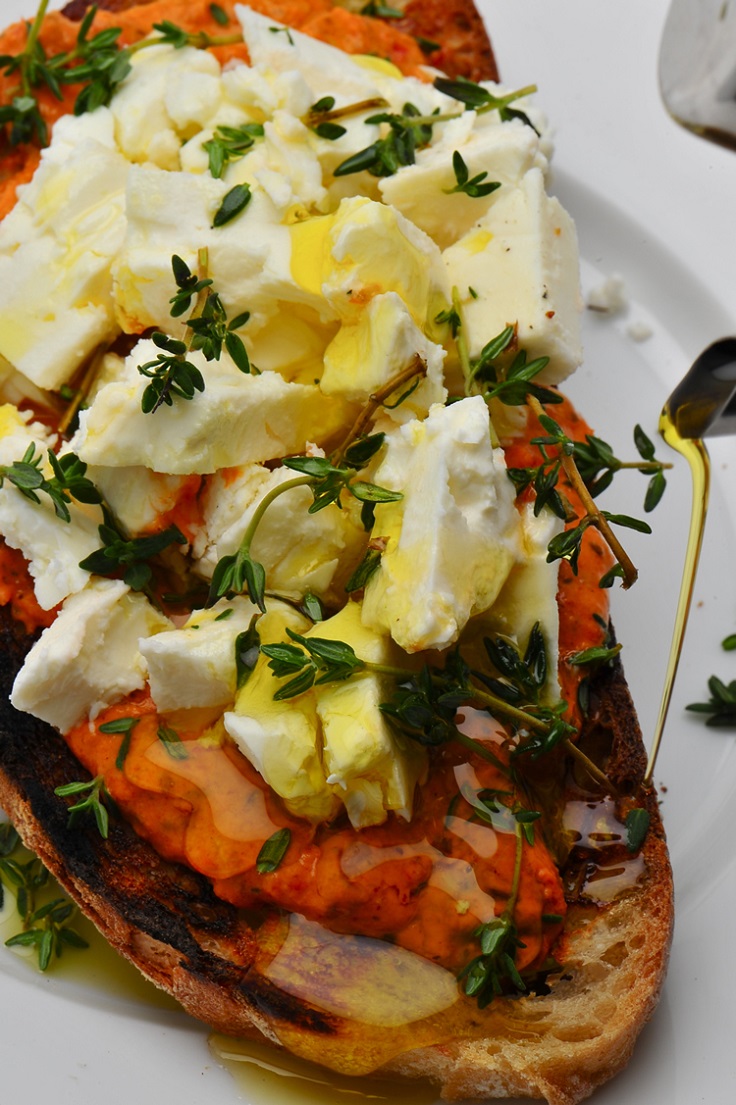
(273, 47)
(361, 756)
(88, 658)
(281, 739)
(138, 497)
(52, 547)
(194, 665)
(521, 262)
(452, 539)
(56, 251)
(367, 354)
(363, 249)
(167, 91)
(529, 595)
(237, 419)
(249, 259)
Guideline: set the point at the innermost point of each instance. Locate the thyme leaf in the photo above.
(247, 650)
(471, 186)
(273, 851)
(637, 827)
(172, 742)
(369, 564)
(219, 15)
(233, 203)
(376, 10)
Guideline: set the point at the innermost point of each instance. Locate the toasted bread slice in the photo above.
(165, 918)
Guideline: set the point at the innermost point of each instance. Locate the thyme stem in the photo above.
(81, 393)
(31, 44)
(199, 39)
(417, 367)
(248, 536)
(594, 771)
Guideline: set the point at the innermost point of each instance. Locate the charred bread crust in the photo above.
(165, 919)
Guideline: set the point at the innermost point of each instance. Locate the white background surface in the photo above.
(658, 206)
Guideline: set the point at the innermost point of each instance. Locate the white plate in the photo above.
(650, 203)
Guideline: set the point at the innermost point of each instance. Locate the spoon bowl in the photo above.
(704, 402)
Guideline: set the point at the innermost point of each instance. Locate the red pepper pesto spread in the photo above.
(425, 885)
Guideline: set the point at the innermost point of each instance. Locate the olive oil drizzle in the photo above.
(695, 453)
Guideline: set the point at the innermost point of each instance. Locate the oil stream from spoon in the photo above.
(694, 451)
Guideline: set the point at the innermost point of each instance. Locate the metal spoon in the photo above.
(697, 68)
(702, 405)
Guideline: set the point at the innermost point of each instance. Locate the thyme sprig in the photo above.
(97, 63)
(229, 144)
(92, 797)
(510, 383)
(170, 373)
(494, 971)
(412, 374)
(480, 99)
(721, 706)
(130, 557)
(476, 187)
(597, 464)
(169, 34)
(329, 481)
(69, 480)
(491, 806)
(310, 661)
(239, 571)
(567, 545)
(45, 926)
(408, 132)
(323, 115)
